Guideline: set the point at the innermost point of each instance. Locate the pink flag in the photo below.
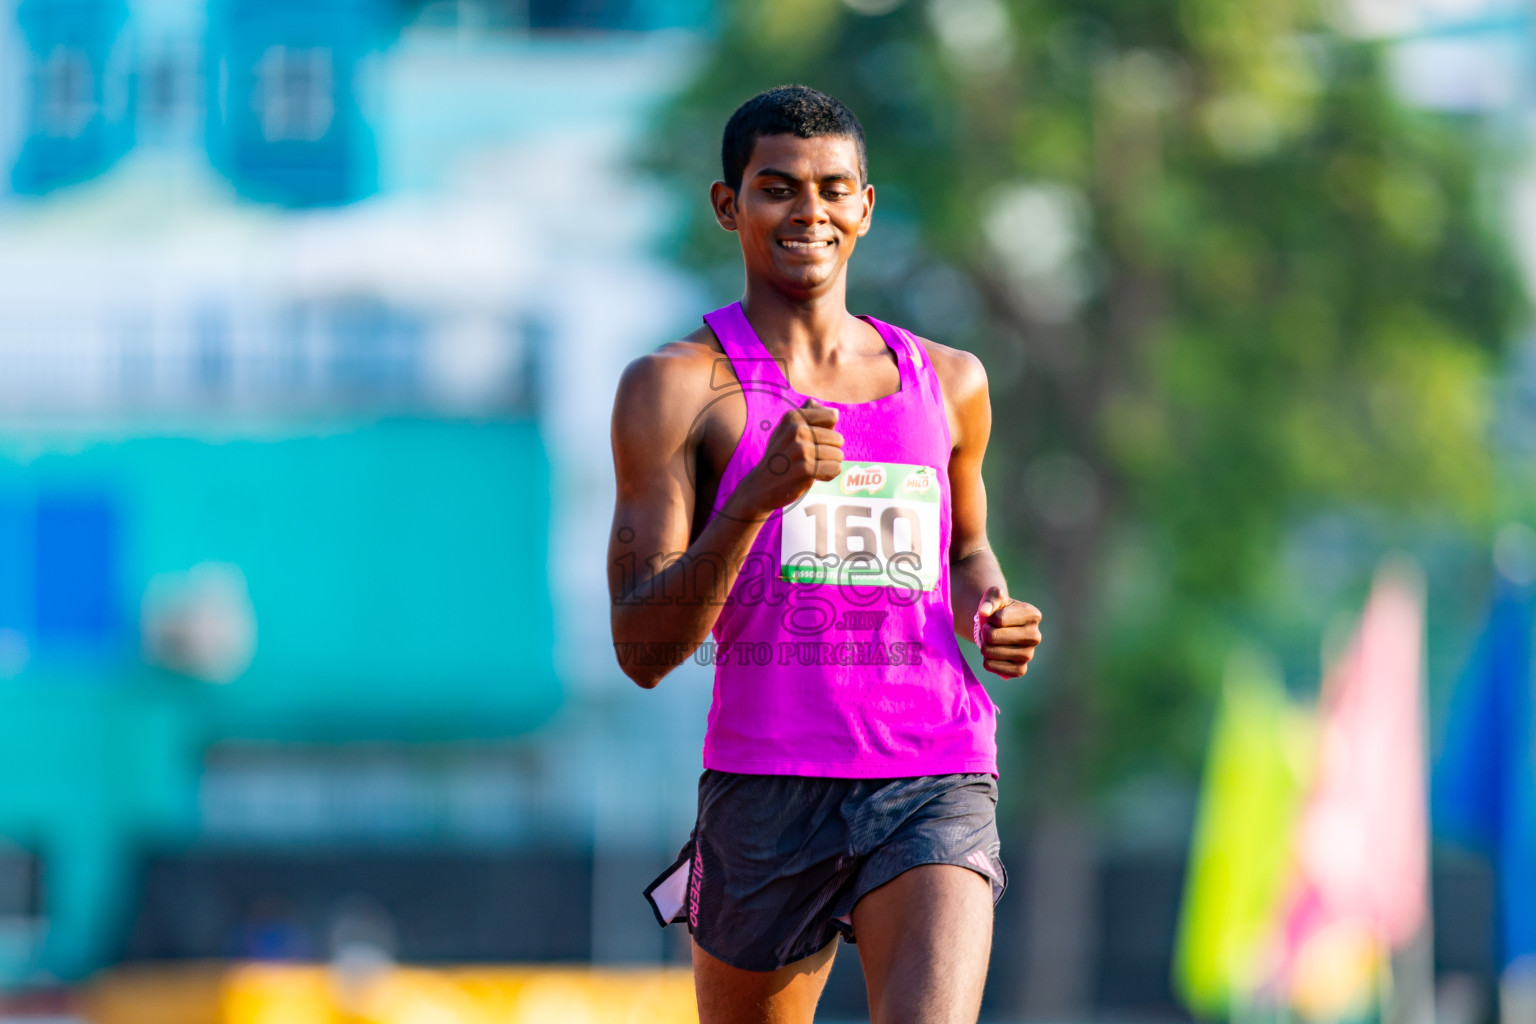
(1362, 843)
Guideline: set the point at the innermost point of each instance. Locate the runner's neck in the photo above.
(816, 330)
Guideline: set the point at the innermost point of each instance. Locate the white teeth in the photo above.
(804, 245)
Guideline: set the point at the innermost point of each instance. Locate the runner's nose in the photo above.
(810, 209)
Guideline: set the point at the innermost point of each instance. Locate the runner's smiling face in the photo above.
(800, 210)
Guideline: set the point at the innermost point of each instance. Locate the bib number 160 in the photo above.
(900, 531)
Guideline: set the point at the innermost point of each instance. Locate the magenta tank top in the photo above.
(835, 653)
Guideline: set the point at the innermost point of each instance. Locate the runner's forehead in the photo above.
(814, 159)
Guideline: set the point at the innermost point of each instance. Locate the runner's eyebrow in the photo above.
(774, 172)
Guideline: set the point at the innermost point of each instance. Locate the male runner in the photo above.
(835, 546)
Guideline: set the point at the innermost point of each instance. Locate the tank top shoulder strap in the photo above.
(749, 359)
(911, 351)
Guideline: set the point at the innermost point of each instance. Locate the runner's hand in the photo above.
(1009, 633)
(803, 448)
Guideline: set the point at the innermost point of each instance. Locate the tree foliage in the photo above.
(1221, 278)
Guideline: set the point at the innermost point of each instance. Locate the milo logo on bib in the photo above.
(863, 478)
(919, 481)
(875, 524)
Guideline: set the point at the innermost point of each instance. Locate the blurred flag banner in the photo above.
(1485, 778)
(1239, 863)
(1309, 864)
(1362, 843)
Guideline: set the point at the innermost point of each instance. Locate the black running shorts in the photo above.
(776, 863)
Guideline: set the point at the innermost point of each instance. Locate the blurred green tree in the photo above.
(1220, 276)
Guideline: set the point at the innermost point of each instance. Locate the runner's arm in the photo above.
(1011, 629)
(973, 568)
(660, 608)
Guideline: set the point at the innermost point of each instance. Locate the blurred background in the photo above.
(310, 319)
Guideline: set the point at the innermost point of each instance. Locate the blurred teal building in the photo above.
(276, 499)
(395, 590)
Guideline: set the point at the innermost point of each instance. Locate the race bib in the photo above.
(875, 524)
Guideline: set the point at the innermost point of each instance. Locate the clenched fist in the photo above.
(1008, 633)
(803, 448)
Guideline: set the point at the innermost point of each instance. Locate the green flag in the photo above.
(1255, 778)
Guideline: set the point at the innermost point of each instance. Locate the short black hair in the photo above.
(786, 110)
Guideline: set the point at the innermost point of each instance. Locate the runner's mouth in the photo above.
(797, 245)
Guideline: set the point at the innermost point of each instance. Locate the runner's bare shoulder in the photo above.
(661, 392)
(960, 372)
(962, 378)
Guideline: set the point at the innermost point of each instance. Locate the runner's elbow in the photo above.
(635, 664)
(645, 678)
